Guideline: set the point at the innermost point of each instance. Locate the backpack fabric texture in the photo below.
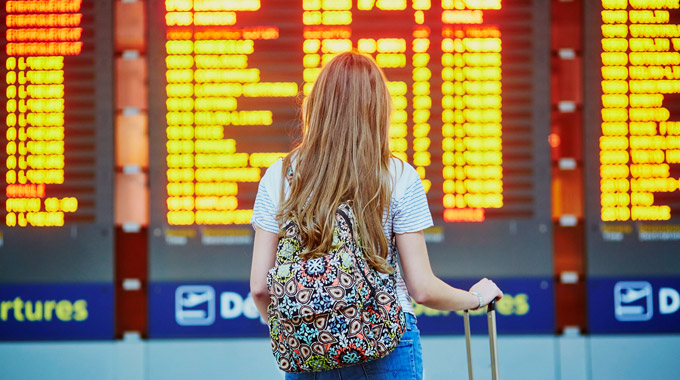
(332, 311)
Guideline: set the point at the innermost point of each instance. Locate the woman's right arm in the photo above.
(264, 258)
(427, 289)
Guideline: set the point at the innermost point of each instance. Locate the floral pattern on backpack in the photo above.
(332, 311)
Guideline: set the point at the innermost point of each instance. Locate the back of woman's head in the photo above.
(343, 156)
(349, 102)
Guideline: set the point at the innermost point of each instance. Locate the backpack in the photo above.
(332, 311)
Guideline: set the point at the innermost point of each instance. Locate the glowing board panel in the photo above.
(469, 86)
(57, 141)
(633, 137)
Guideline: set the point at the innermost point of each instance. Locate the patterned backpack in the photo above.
(332, 311)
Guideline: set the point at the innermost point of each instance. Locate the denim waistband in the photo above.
(411, 321)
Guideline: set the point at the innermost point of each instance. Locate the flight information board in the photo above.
(56, 236)
(632, 113)
(56, 155)
(469, 83)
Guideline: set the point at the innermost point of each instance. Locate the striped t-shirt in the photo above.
(409, 211)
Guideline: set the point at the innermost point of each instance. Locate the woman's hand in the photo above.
(488, 290)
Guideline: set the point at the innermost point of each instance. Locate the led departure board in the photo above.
(57, 165)
(633, 137)
(468, 80)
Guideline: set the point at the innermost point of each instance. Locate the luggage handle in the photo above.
(493, 347)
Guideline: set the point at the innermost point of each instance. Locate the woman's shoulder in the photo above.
(273, 174)
(275, 167)
(404, 176)
(402, 171)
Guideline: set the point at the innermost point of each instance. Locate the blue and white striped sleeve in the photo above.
(412, 212)
(264, 211)
(266, 204)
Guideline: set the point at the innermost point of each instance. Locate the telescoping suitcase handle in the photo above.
(493, 347)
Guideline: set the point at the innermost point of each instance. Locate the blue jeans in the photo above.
(404, 363)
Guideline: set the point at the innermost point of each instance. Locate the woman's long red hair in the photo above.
(344, 155)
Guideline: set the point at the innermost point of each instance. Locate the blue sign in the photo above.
(528, 307)
(633, 305)
(203, 309)
(56, 311)
(226, 309)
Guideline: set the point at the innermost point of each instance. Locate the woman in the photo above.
(344, 155)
